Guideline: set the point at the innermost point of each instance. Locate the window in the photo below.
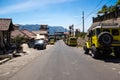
(97, 31)
(93, 32)
(106, 30)
(115, 32)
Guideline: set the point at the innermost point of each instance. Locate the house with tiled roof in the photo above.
(29, 34)
(42, 31)
(6, 26)
(23, 33)
(16, 26)
(16, 33)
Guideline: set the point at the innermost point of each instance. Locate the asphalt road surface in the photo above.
(62, 62)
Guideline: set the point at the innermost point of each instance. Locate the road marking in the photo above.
(113, 68)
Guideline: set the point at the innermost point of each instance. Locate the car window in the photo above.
(106, 30)
(39, 41)
(115, 32)
(93, 32)
(97, 31)
(73, 39)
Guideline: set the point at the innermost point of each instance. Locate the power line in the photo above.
(98, 8)
(95, 9)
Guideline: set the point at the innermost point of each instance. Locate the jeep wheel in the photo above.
(95, 52)
(117, 52)
(86, 50)
(105, 38)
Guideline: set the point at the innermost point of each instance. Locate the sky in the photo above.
(52, 12)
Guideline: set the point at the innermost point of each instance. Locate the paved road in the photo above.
(62, 62)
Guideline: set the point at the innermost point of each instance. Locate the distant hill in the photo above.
(52, 29)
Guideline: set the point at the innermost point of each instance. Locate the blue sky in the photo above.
(51, 12)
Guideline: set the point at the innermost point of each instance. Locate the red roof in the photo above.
(16, 33)
(28, 33)
(5, 23)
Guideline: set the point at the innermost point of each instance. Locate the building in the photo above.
(6, 26)
(112, 18)
(29, 34)
(16, 26)
(59, 35)
(43, 30)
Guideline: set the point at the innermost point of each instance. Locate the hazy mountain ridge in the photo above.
(52, 29)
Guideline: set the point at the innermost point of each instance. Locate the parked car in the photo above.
(31, 44)
(40, 44)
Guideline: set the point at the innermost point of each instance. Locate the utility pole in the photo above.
(83, 20)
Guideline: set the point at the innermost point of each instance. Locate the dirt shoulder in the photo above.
(15, 64)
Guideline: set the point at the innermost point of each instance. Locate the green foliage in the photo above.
(118, 2)
(111, 9)
(104, 9)
(19, 40)
(99, 12)
(81, 34)
(71, 29)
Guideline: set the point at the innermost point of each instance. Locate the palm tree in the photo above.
(71, 28)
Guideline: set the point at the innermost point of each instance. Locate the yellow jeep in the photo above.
(52, 41)
(103, 40)
(72, 41)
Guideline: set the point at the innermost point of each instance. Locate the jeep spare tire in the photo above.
(105, 38)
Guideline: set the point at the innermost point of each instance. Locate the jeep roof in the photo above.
(105, 25)
(117, 26)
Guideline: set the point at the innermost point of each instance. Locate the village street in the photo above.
(61, 62)
(12, 66)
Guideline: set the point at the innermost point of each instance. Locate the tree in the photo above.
(104, 10)
(71, 28)
(112, 9)
(118, 3)
(19, 40)
(77, 33)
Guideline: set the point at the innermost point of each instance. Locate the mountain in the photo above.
(52, 29)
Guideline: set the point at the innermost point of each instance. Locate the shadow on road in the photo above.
(109, 59)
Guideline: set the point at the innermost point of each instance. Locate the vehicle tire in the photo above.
(45, 48)
(117, 52)
(95, 52)
(86, 50)
(105, 38)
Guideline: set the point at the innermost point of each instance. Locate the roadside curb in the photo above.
(4, 60)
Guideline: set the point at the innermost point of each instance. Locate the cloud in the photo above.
(29, 4)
